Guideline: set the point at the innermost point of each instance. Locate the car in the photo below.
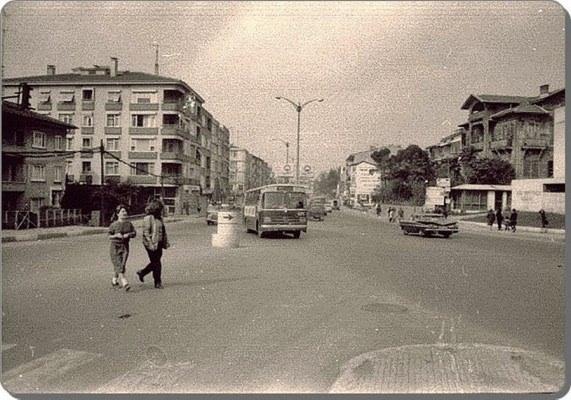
(212, 212)
(429, 224)
(316, 209)
(328, 207)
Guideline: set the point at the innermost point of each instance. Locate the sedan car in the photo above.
(429, 225)
(212, 212)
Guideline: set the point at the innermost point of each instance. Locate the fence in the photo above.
(48, 218)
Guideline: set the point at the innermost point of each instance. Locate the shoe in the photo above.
(140, 275)
(114, 282)
(127, 287)
(158, 286)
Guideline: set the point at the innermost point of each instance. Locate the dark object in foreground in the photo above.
(429, 225)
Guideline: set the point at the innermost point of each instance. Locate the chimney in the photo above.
(543, 90)
(51, 69)
(114, 65)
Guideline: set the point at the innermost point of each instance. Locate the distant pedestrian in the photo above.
(120, 232)
(491, 217)
(378, 209)
(392, 215)
(507, 219)
(155, 240)
(513, 219)
(544, 221)
(445, 212)
(499, 218)
(400, 214)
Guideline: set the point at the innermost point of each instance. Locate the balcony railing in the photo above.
(175, 180)
(44, 106)
(501, 144)
(88, 105)
(535, 143)
(143, 155)
(142, 179)
(113, 106)
(144, 106)
(113, 130)
(14, 185)
(167, 155)
(141, 130)
(65, 106)
(478, 115)
(172, 106)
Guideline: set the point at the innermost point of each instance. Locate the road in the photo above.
(275, 315)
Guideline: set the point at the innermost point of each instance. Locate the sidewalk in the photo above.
(77, 230)
(476, 227)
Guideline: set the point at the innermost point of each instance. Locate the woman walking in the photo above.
(120, 232)
(544, 221)
(499, 218)
(154, 240)
(491, 218)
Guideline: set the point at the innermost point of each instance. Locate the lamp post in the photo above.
(298, 107)
(287, 148)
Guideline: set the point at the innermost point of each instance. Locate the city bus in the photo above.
(276, 208)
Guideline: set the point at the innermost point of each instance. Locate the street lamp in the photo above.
(287, 148)
(298, 107)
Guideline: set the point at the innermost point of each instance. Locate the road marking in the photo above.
(150, 378)
(35, 375)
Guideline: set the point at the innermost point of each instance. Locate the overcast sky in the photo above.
(390, 72)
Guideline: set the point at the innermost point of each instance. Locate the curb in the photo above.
(55, 235)
(530, 229)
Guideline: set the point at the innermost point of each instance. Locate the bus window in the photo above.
(296, 200)
(274, 200)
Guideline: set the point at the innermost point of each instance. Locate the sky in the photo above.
(389, 72)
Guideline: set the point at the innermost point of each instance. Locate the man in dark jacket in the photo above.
(499, 218)
(513, 219)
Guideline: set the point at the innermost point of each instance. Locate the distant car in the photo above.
(429, 225)
(328, 207)
(212, 212)
(317, 209)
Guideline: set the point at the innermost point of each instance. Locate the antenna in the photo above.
(156, 46)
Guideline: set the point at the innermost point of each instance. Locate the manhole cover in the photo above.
(384, 308)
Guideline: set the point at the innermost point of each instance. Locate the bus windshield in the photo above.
(284, 200)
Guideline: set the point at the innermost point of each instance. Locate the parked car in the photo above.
(212, 212)
(317, 209)
(428, 225)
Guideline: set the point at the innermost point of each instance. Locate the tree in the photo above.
(485, 170)
(326, 183)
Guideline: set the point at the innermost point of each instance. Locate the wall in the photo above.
(528, 195)
(559, 142)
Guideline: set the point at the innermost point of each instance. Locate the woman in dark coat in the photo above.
(499, 218)
(155, 240)
(544, 221)
(491, 218)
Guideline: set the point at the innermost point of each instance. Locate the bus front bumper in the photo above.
(268, 228)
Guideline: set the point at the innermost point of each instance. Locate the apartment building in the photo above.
(514, 128)
(33, 174)
(154, 123)
(247, 171)
(445, 152)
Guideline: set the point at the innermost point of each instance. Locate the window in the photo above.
(39, 140)
(87, 119)
(143, 144)
(114, 96)
(67, 118)
(144, 97)
(113, 120)
(58, 142)
(69, 143)
(37, 203)
(86, 143)
(86, 167)
(112, 144)
(68, 166)
(38, 173)
(58, 173)
(143, 169)
(87, 95)
(44, 96)
(112, 168)
(67, 96)
(550, 169)
(143, 120)
(56, 197)
(554, 187)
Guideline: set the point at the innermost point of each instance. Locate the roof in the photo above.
(468, 186)
(493, 98)
(122, 78)
(525, 108)
(15, 109)
(549, 95)
(365, 156)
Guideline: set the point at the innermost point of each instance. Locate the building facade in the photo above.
(445, 153)
(156, 124)
(247, 171)
(33, 159)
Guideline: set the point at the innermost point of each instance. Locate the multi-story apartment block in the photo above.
(514, 128)
(246, 172)
(444, 152)
(33, 172)
(154, 123)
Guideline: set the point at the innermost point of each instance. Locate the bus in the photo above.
(276, 208)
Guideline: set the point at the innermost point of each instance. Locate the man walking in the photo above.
(499, 218)
(544, 221)
(513, 219)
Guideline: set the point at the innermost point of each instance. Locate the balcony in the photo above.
(88, 153)
(114, 153)
(175, 130)
(501, 144)
(139, 130)
(535, 143)
(65, 106)
(44, 106)
(87, 130)
(167, 155)
(478, 115)
(172, 106)
(477, 145)
(113, 106)
(13, 186)
(175, 180)
(142, 180)
(113, 179)
(112, 130)
(143, 155)
(144, 106)
(88, 105)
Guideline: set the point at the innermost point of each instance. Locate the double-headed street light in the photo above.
(298, 107)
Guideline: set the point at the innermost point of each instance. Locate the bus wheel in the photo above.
(260, 233)
(296, 234)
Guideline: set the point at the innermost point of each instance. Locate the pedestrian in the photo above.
(513, 219)
(400, 214)
(155, 240)
(507, 219)
(121, 232)
(392, 215)
(544, 221)
(491, 217)
(445, 212)
(499, 218)
(378, 209)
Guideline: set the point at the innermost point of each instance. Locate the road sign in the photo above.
(287, 168)
(307, 168)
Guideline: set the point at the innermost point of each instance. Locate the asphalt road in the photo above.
(276, 315)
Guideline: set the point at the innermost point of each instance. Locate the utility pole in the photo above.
(156, 46)
(101, 152)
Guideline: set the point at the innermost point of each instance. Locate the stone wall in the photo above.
(529, 195)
